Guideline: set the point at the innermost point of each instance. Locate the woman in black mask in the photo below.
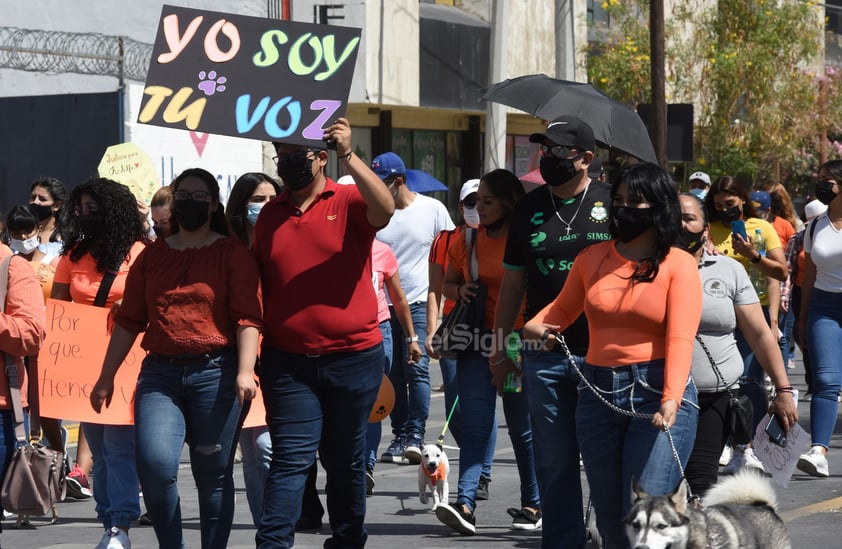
(47, 196)
(728, 201)
(729, 302)
(195, 295)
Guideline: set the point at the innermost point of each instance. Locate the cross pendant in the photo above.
(568, 229)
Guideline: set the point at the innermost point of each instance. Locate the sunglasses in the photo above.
(470, 202)
(559, 151)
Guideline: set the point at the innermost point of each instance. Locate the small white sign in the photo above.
(780, 461)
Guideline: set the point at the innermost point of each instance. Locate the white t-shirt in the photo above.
(410, 234)
(825, 249)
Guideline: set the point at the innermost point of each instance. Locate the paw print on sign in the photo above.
(210, 84)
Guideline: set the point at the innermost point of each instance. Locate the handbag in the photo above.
(739, 417)
(461, 329)
(34, 480)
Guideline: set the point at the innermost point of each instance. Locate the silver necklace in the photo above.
(558, 215)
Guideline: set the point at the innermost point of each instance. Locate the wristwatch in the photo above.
(756, 259)
(412, 339)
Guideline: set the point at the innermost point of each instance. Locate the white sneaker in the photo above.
(814, 462)
(117, 539)
(736, 462)
(751, 460)
(726, 455)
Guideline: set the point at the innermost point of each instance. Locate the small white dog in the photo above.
(433, 473)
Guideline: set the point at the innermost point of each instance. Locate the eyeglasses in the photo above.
(470, 202)
(88, 208)
(297, 155)
(559, 151)
(195, 195)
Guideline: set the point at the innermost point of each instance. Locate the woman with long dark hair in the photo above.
(642, 299)
(46, 200)
(103, 237)
(497, 194)
(195, 295)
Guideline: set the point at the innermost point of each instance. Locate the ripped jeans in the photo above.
(178, 401)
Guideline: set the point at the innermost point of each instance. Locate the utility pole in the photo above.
(565, 40)
(495, 113)
(658, 125)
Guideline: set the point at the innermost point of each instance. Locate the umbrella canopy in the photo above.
(614, 125)
(422, 182)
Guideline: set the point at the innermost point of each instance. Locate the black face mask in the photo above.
(824, 192)
(40, 211)
(731, 214)
(297, 172)
(159, 231)
(629, 223)
(557, 171)
(690, 241)
(190, 214)
(90, 224)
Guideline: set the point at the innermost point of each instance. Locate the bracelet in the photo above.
(345, 157)
(757, 259)
(785, 388)
(412, 339)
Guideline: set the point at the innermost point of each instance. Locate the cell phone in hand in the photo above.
(739, 227)
(775, 430)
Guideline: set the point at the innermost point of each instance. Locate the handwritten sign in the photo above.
(780, 461)
(70, 361)
(128, 164)
(248, 76)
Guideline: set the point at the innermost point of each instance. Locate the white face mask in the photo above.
(471, 217)
(253, 210)
(24, 247)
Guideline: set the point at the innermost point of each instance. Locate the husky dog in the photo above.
(739, 511)
(433, 473)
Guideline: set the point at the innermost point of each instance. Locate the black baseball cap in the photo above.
(568, 131)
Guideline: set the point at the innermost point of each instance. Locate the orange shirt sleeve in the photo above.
(570, 302)
(684, 309)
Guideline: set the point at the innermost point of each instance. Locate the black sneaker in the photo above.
(394, 453)
(482, 488)
(369, 482)
(457, 518)
(412, 451)
(524, 519)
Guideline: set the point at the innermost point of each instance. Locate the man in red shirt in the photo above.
(322, 356)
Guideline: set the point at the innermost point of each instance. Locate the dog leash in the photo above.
(623, 411)
(440, 441)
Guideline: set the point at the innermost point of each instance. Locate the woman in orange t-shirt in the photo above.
(103, 235)
(196, 296)
(498, 192)
(642, 299)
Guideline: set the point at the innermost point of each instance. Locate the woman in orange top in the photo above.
(103, 236)
(643, 300)
(195, 295)
(498, 192)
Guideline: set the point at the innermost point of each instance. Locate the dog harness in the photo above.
(438, 475)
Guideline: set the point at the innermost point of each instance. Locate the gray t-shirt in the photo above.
(725, 285)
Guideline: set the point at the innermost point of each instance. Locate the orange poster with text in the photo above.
(71, 359)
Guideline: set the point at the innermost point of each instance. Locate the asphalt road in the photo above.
(397, 519)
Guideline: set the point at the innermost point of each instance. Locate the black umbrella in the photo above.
(614, 125)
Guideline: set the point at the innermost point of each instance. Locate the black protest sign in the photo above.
(248, 76)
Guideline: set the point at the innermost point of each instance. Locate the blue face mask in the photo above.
(253, 209)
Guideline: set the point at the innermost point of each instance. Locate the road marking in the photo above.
(820, 507)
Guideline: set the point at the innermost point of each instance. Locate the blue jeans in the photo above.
(411, 381)
(786, 324)
(478, 400)
(375, 430)
(550, 383)
(196, 402)
(114, 473)
(824, 339)
(256, 445)
(516, 410)
(318, 403)
(616, 447)
(451, 391)
(751, 384)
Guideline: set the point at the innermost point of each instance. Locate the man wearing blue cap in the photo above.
(410, 233)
